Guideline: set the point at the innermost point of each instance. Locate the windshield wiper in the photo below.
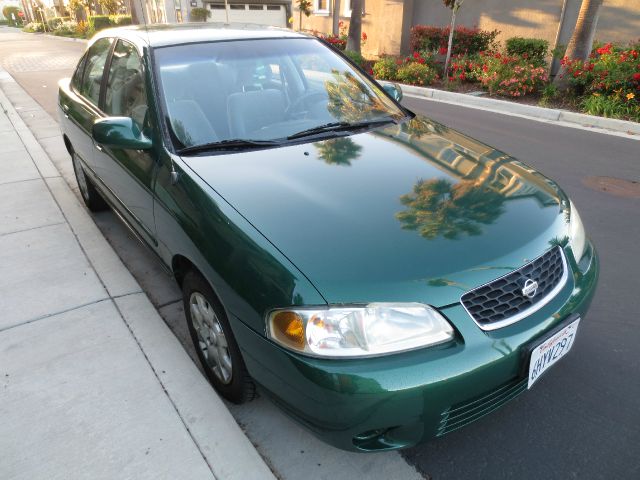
(228, 145)
(340, 127)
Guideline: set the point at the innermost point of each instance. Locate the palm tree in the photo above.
(338, 151)
(350, 100)
(336, 18)
(438, 207)
(355, 26)
(579, 46)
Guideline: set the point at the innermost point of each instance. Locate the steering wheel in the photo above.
(304, 99)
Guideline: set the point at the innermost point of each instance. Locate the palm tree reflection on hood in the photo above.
(338, 151)
(438, 207)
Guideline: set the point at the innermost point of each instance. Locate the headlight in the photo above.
(374, 329)
(577, 237)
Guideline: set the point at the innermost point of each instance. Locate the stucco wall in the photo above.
(619, 19)
(383, 24)
(387, 22)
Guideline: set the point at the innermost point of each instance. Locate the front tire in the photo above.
(214, 342)
(91, 197)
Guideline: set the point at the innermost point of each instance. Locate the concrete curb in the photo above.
(564, 117)
(59, 37)
(216, 434)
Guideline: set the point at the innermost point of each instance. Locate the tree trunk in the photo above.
(452, 27)
(355, 26)
(336, 17)
(136, 15)
(579, 46)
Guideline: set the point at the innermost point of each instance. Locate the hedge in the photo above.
(120, 20)
(532, 48)
(465, 40)
(99, 22)
(200, 14)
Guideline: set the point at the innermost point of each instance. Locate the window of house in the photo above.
(92, 77)
(236, 7)
(347, 7)
(321, 6)
(216, 6)
(256, 7)
(125, 95)
(273, 7)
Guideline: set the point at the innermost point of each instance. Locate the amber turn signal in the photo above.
(287, 328)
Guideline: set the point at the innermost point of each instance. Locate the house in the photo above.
(388, 23)
(262, 12)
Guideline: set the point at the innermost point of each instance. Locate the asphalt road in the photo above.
(583, 419)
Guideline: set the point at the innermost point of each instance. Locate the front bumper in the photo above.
(400, 400)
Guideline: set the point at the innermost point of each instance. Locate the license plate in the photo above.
(551, 350)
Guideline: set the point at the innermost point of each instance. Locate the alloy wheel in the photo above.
(211, 338)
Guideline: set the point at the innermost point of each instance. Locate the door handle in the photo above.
(65, 107)
(99, 147)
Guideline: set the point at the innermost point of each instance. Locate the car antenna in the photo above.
(173, 175)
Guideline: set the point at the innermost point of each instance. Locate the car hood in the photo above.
(410, 212)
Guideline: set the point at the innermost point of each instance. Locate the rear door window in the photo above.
(125, 95)
(96, 58)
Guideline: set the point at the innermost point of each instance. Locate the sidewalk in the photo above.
(92, 382)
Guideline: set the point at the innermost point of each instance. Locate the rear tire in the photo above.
(214, 342)
(90, 195)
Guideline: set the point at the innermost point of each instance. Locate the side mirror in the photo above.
(394, 90)
(120, 132)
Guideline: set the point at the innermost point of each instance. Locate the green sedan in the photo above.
(383, 278)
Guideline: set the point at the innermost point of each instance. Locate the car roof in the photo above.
(159, 35)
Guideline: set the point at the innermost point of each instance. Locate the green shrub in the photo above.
(356, 58)
(4, 22)
(200, 14)
(415, 73)
(549, 93)
(612, 107)
(66, 29)
(99, 22)
(386, 68)
(34, 27)
(465, 40)
(464, 68)
(534, 49)
(55, 21)
(510, 76)
(7, 12)
(120, 20)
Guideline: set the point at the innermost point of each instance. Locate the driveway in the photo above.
(581, 421)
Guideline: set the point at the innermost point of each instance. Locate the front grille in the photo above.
(464, 413)
(501, 302)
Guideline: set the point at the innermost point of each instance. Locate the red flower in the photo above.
(604, 50)
(463, 76)
(371, 71)
(364, 36)
(442, 51)
(636, 77)
(416, 55)
(485, 68)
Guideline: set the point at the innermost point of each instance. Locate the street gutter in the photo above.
(564, 118)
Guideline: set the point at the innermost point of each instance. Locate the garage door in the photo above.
(274, 15)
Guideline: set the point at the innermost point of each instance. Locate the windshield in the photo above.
(264, 90)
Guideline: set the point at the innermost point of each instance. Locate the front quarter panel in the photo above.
(246, 271)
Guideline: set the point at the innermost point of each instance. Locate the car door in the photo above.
(79, 104)
(128, 174)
